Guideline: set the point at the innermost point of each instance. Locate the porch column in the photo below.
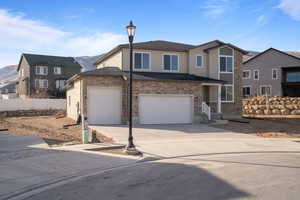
(219, 99)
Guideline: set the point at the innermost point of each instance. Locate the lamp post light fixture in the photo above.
(130, 148)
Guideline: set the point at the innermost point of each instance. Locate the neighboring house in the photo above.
(45, 76)
(9, 87)
(170, 83)
(272, 72)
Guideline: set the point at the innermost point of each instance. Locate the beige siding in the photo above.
(113, 61)
(156, 60)
(213, 59)
(73, 97)
(193, 69)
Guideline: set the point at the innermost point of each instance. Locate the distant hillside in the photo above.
(9, 73)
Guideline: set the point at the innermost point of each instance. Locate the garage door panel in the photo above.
(164, 109)
(104, 105)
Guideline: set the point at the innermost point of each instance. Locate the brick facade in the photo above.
(144, 87)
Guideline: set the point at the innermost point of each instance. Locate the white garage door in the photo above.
(165, 109)
(103, 105)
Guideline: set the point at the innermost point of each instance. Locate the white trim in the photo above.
(247, 86)
(110, 87)
(169, 95)
(196, 59)
(170, 54)
(277, 70)
(133, 61)
(226, 85)
(248, 76)
(256, 70)
(233, 74)
(41, 66)
(261, 86)
(219, 55)
(38, 86)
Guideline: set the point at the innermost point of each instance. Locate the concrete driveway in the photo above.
(197, 139)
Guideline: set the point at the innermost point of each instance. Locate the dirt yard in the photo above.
(266, 127)
(48, 127)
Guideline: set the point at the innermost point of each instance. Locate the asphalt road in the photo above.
(228, 176)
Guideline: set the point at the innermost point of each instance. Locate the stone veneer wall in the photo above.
(145, 87)
(264, 106)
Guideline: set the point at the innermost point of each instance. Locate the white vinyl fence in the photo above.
(32, 104)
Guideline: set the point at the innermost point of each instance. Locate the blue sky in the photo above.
(92, 27)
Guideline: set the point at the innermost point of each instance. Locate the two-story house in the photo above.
(172, 83)
(272, 72)
(44, 76)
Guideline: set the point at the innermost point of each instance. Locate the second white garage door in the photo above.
(165, 109)
(104, 105)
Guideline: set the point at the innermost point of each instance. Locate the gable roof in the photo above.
(150, 45)
(291, 54)
(35, 59)
(163, 45)
(159, 76)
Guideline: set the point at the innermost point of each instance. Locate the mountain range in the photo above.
(9, 73)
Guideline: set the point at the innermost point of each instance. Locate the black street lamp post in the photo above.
(130, 149)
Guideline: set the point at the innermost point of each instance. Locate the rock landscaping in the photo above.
(271, 107)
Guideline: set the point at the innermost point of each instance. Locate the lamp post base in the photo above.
(132, 151)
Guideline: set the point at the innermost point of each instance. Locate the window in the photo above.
(69, 100)
(170, 62)
(293, 77)
(265, 90)
(226, 59)
(246, 74)
(57, 70)
(256, 75)
(59, 84)
(226, 93)
(141, 60)
(41, 83)
(199, 61)
(41, 70)
(226, 63)
(275, 74)
(246, 91)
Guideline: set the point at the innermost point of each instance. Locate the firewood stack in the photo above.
(264, 105)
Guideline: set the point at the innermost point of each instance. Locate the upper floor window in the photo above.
(293, 77)
(141, 60)
(265, 90)
(41, 70)
(41, 83)
(57, 70)
(275, 74)
(246, 74)
(199, 61)
(256, 75)
(226, 59)
(170, 62)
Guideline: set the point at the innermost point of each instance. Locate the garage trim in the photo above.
(168, 95)
(105, 87)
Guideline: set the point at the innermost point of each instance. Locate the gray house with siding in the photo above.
(272, 72)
